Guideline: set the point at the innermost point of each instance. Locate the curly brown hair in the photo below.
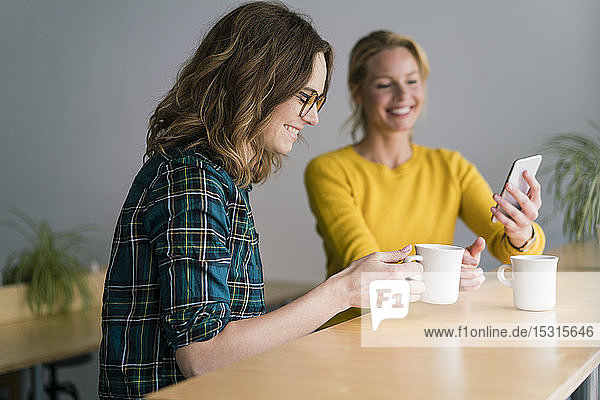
(253, 59)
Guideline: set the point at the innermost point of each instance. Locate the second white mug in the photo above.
(533, 281)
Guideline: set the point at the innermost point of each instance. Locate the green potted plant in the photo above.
(575, 181)
(49, 265)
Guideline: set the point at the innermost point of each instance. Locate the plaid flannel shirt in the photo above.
(184, 262)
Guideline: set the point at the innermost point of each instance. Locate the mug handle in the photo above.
(413, 258)
(502, 276)
(417, 258)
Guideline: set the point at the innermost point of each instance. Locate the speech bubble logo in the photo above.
(389, 298)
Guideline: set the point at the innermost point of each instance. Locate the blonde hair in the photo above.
(254, 58)
(362, 52)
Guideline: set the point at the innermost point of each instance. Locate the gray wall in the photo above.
(80, 78)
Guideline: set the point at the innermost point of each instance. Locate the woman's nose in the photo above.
(312, 117)
(399, 93)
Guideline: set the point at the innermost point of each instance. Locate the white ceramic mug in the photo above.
(533, 281)
(441, 271)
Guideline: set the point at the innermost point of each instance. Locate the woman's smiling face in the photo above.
(286, 123)
(392, 93)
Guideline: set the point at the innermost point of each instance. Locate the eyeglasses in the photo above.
(310, 100)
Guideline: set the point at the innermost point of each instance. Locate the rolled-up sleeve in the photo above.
(193, 257)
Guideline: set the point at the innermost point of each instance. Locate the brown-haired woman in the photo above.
(184, 290)
(384, 189)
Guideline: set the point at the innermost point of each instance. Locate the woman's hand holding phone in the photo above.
(517, 222)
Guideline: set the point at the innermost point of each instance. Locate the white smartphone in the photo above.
(515, 176)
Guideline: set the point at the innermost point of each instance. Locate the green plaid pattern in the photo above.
(184, 262)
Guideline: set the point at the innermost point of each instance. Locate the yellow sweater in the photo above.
(362, 207)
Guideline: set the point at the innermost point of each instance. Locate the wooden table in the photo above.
(332, 364)
(578, 256)
(32, 341)
(28, 342)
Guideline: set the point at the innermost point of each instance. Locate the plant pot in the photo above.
(14, 299)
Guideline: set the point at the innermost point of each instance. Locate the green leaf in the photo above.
(50, 265)
(575, 180)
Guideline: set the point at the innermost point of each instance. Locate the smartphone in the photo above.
(515, 176)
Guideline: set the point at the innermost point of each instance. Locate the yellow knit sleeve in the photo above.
(340, 222)
(475, 211)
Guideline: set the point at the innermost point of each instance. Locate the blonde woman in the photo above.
(385, 190)
(184, 290)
